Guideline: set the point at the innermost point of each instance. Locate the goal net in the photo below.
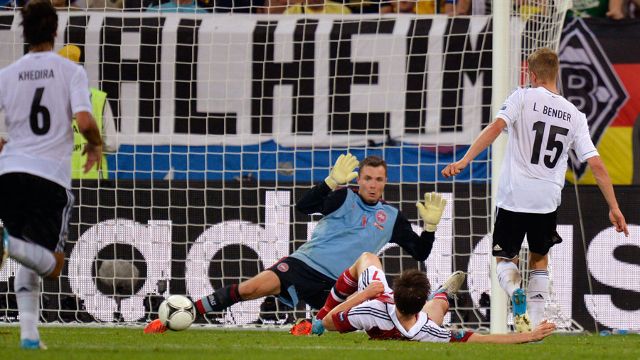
(216, 124)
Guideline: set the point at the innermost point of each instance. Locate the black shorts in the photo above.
(298, 281)
(35, 209)
(511, 227)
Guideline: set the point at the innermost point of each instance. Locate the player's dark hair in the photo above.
(545, 64)
(373, 161)
(39, 22)
(410, 291)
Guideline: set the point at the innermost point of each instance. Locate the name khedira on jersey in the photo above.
(35, 74)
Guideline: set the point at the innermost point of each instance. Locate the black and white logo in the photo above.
(589, 82)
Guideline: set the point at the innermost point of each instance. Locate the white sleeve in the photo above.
(582, 143)
(511, 109)
(1, 98)
(80, 97)
(363, 316)
(3, 125)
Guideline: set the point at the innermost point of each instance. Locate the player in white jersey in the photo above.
(40, 93)
(542, 127)
(405, 313)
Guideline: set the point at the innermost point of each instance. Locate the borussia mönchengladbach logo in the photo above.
(589, 82)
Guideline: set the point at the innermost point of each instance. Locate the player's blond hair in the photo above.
(545, 64)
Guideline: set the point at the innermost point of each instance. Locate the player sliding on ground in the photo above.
(405, 313)
(542, 127)
(355, 221)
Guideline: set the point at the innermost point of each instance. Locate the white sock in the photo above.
(31, 255)
(27, 287)
(508, 276)
(537, 294)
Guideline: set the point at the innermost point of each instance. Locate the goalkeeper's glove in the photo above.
(431, 210)
(342, 172)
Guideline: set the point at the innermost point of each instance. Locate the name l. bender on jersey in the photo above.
(35, 74)
(549, 111)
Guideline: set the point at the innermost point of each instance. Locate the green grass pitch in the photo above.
(131, 343)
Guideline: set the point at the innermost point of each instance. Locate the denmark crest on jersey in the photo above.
(381, 217)
(283, 267)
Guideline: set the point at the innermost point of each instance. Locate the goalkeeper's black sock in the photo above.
(219, 300)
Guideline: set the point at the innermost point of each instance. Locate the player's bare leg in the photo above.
(436, 308)
(264, 284)
(347, 283)
(364, 261)
(438, 305)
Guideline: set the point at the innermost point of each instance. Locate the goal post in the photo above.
(500, 90)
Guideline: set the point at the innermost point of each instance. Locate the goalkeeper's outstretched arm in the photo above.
(431, 210)
(342, 172)
(420, 246)
(321, 198)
